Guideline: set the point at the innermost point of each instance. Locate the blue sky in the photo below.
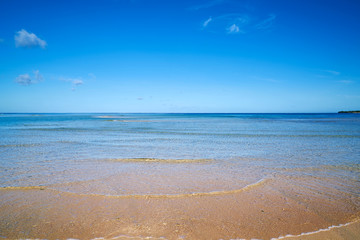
(179, 56)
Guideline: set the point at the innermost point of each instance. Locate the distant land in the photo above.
(357, 111)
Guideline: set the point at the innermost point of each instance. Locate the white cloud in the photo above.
(26, 39)
(75, 82)
(233, 29)
(26, 79)
(207, 22)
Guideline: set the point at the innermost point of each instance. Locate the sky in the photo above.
(238, 56)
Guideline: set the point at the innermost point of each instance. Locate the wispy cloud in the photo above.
(345, 81)
(238, 23)
(233, 29)
(38, 76)
(229, 23)
(29, 40)
(92, 76)
(336, 73)
(206, 22)
(26, 79)
(272, 80)
(1, 40)
(330, 74)
(207, 4)
(267, 23)
(351, 96)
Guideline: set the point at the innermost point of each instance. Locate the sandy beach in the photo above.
(272, 209)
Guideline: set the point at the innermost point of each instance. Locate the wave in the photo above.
(21, 145)
(113, 238)
(317, 231)
(130, 237)
(146, 196)
(57, 129)
(111, 116)
(25, 188)
(355, 167)
(116, 120)
(245, 135)
(159, 160)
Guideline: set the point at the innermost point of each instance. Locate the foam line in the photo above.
(317, 231)
(199, 194)
(158, 160)
(25, 188)
(130, 237)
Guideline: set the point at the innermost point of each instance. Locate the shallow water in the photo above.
(308, 158)
(44, 149)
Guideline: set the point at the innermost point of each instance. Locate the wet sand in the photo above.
(269, 209)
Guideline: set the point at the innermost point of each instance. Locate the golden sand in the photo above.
(268, 209)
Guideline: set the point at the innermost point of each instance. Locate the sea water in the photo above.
(177, 153)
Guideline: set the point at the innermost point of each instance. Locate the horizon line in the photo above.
(178, 112)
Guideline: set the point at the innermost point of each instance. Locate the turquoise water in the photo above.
(45, 149)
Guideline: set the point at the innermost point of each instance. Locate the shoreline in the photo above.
(333, 232)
